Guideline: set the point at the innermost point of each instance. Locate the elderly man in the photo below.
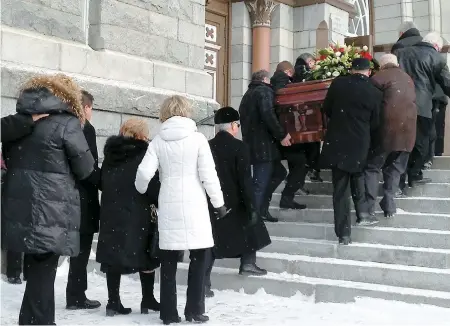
(427, 68)
(242, 232)
(409, 36)
(262, 132)
(352, 106)
(398, 133)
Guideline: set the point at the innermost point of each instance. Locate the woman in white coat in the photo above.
(186, 169)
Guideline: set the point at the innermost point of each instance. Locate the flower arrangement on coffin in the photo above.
(336, 60)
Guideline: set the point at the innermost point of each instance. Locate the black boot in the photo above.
(84, 303)
(266, 216)
(208, 292)
(197, 318)
(14, 280)
(345, 240)
(251, 269)
(289, 203)
(174, 320)
(114, 306)
(148, 298)
(314, 176)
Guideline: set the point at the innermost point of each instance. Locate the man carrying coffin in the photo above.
(242, 231)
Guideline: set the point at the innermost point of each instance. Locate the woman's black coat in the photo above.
(15, 127)
(125, 225)
(232, 236)
(40, 200)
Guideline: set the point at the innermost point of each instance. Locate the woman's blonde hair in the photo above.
(175, 106)
(135, 128)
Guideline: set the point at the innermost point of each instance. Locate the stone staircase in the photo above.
(406, 258)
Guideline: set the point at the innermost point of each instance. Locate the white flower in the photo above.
(349, 47)
(338, 54)
(328, 73)
(365, 48)
(336, 73)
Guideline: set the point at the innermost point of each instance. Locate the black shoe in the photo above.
(209, 293)
(288, 203)
(113, 309)
(251, 269)
(419, 180)
(151, 304)
(303, 192)
(84, 304)
(345, 241)
(197, 318)
(268, 217)
(389, 215)
(14, 280)
(173, 320)
(314, 176)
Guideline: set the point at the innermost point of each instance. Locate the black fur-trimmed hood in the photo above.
(119, 148)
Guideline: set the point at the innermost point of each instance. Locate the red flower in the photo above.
(342, 50)
(323, 57)
(366, 55)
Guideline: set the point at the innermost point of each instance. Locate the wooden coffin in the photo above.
(299, 108)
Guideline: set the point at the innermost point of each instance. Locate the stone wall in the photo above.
(151, 49)
(282, 36)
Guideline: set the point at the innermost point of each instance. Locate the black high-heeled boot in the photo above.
(114, 306)
(197, 318)
(148, 298)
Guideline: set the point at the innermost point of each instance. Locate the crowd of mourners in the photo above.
(178, 192)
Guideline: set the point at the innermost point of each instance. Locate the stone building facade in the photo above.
(131, 54)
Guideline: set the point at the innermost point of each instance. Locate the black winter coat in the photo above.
(232, 237)
(409, 38)
(15, 127)
(279, 80)
(41, 202)
(261, 130)
(427, 68)
(90, 206)
(353, 106)
(125, 225)
(301, 70)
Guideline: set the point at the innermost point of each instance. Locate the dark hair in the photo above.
(86, 98)
(285, 65)
(260, 75)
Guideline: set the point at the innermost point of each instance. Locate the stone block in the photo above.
(280, 53)
(301, 39)
(105, 64)
(281, 37)
(170, 77)
(236, 101)
(191, 34)
(241, 53)
(241, 35)
(313, 15)
(239, 87)
(388, 11)
(163, 25)
(240, 16)
(39, 18)
(45, 52)
(199, 83)
(388, 24)
(177, 52)
(124, 15)
(198, 14)
(177, 9)
(385, 37)
(282, 17)
(106, 123)
(241, 70)
(196, 56)
(381, 3)
(8, 106)
(312, 39)
(423, 24)
(298, 19)
(421, 8)
(208, 131)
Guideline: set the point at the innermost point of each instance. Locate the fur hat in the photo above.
(360, 64)
(226, 115)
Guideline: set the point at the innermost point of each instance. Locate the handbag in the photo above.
(154, 238)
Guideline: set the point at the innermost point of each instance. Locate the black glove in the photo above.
(253, 218)
(221, 212)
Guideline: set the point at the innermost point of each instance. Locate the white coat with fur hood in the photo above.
(186, 169)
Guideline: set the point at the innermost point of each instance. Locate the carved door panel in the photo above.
(216, 52)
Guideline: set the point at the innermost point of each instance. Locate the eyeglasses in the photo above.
(238, 124)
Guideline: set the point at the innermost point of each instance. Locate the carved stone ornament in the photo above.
(260, 11)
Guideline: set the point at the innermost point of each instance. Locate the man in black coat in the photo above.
(90, 212)
(352, 106)
(427, 68)
(13, 128)
(241, 232)
(263, 134)
(409, 36)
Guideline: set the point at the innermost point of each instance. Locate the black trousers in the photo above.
(312, 155)
(393, 165)
(420, 151)
(440, 131)
(267, 176)
(195, 296)
(245, 259)
(297, 172)
(13, 264)
(77, 279)
(341, 199)
(38, 304)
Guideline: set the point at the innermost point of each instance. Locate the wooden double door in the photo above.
(217, 49)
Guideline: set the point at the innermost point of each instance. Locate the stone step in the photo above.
(435, 190)
(411, 256)
(350, 270)
(441, 163)
(440, 176)
(364, 234)
(408, 204)
(318, 289)
(401, 219)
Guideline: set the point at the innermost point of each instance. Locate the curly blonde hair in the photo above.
(135, 128)
(175, 106)
(63, 87)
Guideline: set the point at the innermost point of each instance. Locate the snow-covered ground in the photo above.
(230, 308)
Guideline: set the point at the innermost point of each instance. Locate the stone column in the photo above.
(260, 14)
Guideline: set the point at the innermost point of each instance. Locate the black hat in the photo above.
(360, 64)
(226, 115)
